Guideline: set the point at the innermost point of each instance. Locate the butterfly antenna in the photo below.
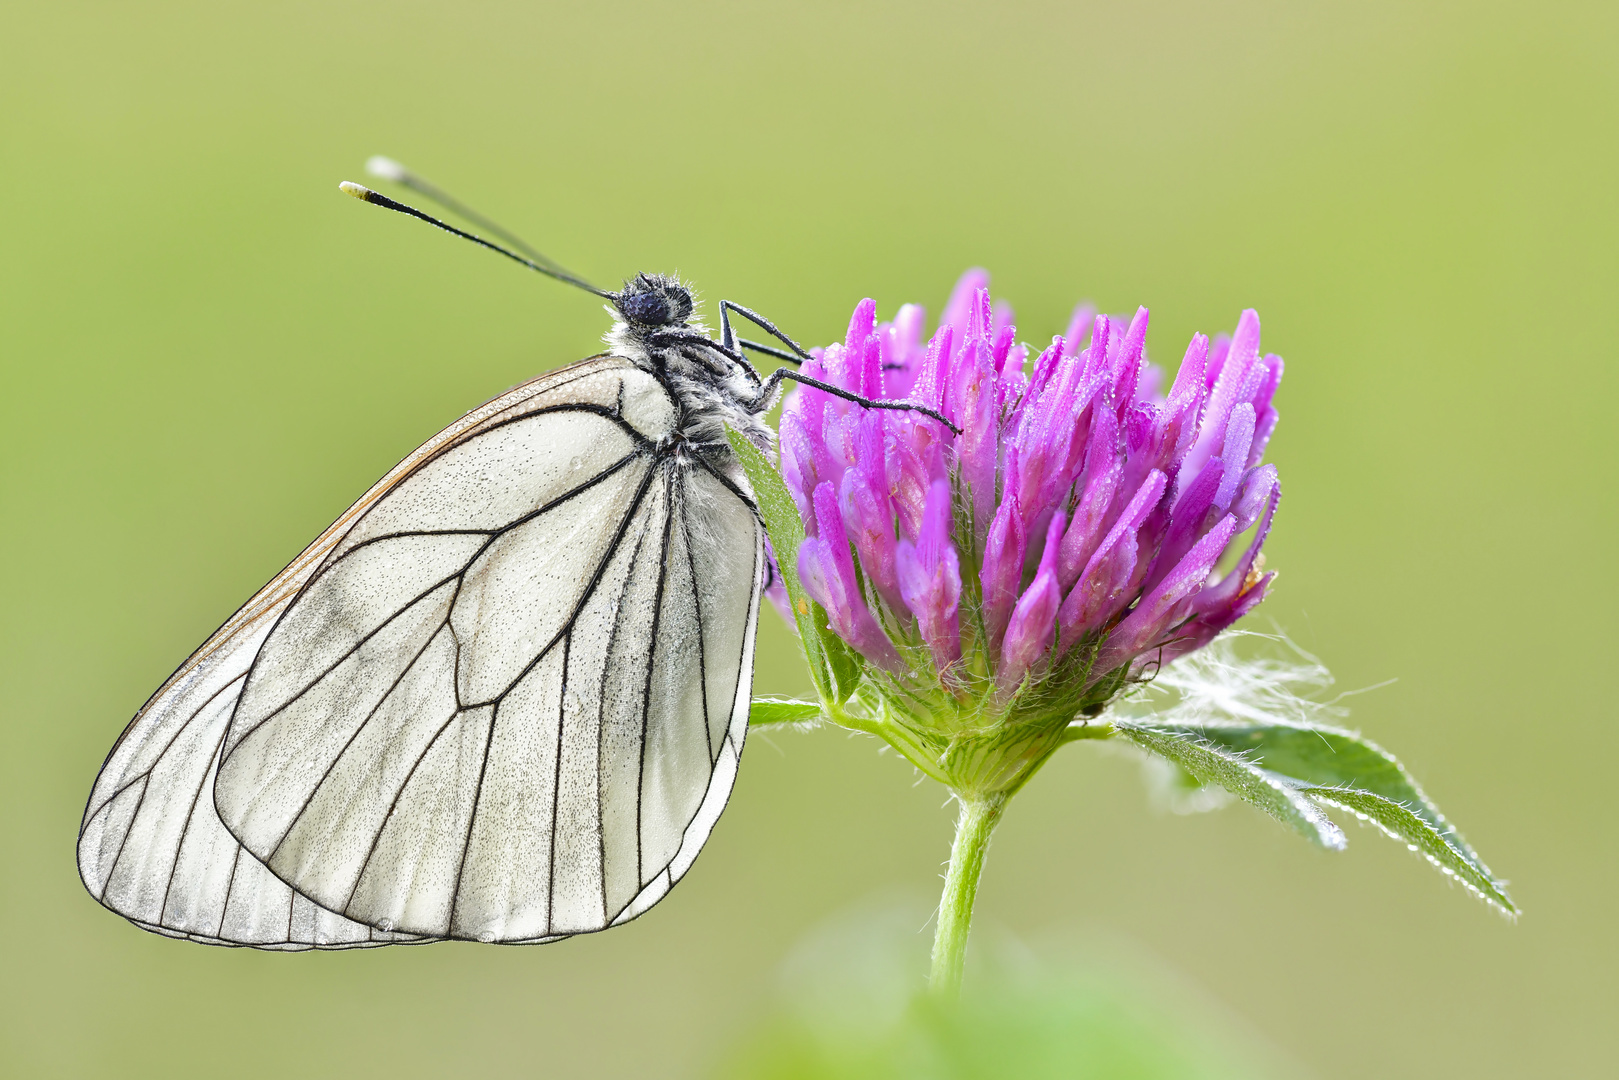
(385, 168)
(375, 198)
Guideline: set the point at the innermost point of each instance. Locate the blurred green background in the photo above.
(208, 352)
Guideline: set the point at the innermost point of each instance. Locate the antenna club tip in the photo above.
(385, 168)
(359, 192)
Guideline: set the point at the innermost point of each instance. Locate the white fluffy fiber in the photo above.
(1241, 676)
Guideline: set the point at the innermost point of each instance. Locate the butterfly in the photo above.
(504, 696)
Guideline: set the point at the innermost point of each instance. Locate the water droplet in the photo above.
(487, 937)
(577, 463)
(178, 924)
(385, 925)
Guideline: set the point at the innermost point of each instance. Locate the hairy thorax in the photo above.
(711, 390)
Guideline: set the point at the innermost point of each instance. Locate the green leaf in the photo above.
(1316, 754)
(1212, 764)
(1340, 768)
(1446, 850)
(786, 531)
(769, 711)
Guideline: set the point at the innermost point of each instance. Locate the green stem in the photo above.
(979, 815)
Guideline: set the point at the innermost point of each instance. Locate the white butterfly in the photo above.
(502, 698)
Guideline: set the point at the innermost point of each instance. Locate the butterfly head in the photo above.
(653, 300)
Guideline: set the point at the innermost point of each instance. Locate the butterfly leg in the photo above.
(769, 388)
(728, 338)
(767, 394)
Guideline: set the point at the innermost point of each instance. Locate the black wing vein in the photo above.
(612, 643)
(394, 805)
(697, 606)
(646, 696)
(179, 847)
(590, 588)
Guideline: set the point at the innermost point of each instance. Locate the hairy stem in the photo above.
(979, 815)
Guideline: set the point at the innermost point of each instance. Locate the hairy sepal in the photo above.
(783, 712)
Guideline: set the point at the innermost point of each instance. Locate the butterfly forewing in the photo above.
(502, 698)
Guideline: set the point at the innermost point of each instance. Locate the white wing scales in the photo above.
(502, 698)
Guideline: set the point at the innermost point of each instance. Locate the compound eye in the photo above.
(646, 307)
